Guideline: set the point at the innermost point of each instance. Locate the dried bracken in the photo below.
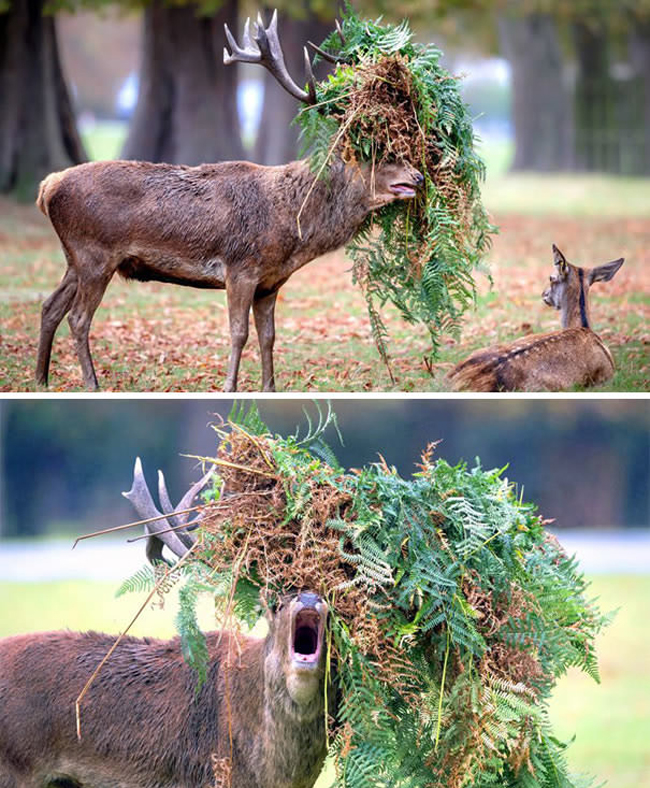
(444, 655)
(389, 99)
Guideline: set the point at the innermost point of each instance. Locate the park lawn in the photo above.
(153, 337)
(611, 721)
(104, 139)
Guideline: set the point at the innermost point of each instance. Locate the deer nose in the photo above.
(307, 599)
(419, 178)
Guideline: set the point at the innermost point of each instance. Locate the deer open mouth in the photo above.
(306, 637)
(403, 190)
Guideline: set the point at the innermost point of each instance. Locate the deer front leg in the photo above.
(239, 293)
(264, 313)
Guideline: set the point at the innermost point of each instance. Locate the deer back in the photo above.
(554, 361)
(142, 722)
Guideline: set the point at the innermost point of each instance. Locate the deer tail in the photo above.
(47, 188)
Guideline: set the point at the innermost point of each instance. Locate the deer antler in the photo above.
(327, 55)
(159, 532)
(265, 49)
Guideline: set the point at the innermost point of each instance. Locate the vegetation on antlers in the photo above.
(453, 612)
(390, 99)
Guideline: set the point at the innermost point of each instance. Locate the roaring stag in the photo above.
(231, 225)
(558, 360)
(143, 723)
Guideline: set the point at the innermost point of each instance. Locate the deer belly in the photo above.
(208, 273)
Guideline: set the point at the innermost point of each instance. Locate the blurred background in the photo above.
(585, 462)
(64, 462)
(554, 86)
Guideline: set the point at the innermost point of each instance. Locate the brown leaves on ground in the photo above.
(154, 337)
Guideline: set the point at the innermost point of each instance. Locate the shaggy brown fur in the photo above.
(143, 724)
(555, 361)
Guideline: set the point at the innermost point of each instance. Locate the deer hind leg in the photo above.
(93, 281)
(54, 310)
(240, 294)
(264, 313)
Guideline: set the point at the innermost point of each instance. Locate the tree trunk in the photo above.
(38, 133)
(640, 57)
(595, 121)
(541, 108)
(187, 104)
(277, 138)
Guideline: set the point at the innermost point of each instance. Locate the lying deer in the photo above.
(143, 724)
(574, 356)
(231, 225)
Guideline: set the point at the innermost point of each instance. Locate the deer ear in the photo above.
(603, 273)
(559, 259)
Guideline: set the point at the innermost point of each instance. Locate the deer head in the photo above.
(294, 663)
(569, 288)
(386, 182)
(295, 656)
(391, 181)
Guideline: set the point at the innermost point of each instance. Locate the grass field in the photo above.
(611, 721)
(154, 337)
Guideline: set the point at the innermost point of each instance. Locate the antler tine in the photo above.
(180, 520)
(325, 55)
(246, 37)
(142, 501)
(190, 495)
(339, 30)
(311, 81)
(249, 53)
(176, 521)
(265, 48)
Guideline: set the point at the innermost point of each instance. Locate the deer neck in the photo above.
(293, 735)
(575, 304)
(326, 211)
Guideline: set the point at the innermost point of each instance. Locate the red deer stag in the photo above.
(231, 225)
(143, 724)
(558, 360)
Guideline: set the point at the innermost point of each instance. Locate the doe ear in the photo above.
(605, 272)
(559, 259)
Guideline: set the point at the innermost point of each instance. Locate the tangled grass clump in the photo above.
(389, 99)
(452, 611)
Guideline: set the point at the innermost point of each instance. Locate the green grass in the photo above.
(610, 721)
(574, 194)
(558, 194)
(81, 605)
(104, 139)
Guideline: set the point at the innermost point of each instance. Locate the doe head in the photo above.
(297, 644)
(569, 286)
